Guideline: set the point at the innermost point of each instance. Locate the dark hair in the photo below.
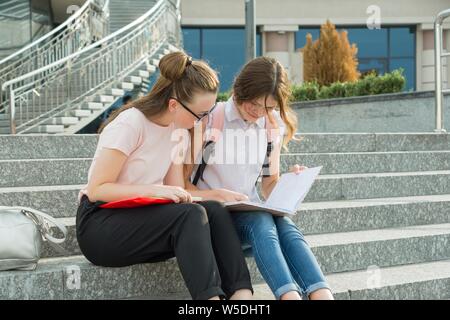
(181, 77)
(126, 99)
(262, 77)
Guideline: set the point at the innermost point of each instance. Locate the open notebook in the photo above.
(286, 196)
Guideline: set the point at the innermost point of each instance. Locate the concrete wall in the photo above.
(404, 112)
(304, 12)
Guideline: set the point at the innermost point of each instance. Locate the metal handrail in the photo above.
(59, 42)
(86, 72)
(438, 55)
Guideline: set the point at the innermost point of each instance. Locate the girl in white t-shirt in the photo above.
(138, 155)
(242, 143)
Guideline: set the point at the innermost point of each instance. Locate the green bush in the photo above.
(223, 96)
(308, 91)
(390, 82)
(334, 90)
(369, 84)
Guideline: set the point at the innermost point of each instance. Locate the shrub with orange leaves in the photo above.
(330, 58)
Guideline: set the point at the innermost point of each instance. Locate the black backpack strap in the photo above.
(265, 171)
(206, 154)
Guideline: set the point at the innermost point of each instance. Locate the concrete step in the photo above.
(58, 201)
(86, 121)
(125, 85)
(133, 79)
(368, 214)
(80, 113)
(104, 98)
(154, 62)
(424, 281)
(379, 185)
(65, 121)
(115, 92)
(91, 106)
(351, 215)
(76, 278)
(141, 73)
(369, 142)
(48, 147)
(39, 172)
(47, 129)
(28, 115)
(365, 162)
(349, 251)
(5, 130)
(151, 68)
(6, 123)
(312, 143)
(43, 172)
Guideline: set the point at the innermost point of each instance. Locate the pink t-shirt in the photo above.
(151, 149)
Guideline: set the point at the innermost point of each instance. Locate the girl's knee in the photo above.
(214, 208)
(291, 235)
(194, 213)
(263, 225)
(263, 220)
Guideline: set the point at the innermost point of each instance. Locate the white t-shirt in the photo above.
(239, 154)
(151, 149)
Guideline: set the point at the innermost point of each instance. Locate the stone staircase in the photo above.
(377, 219)
(77, 117)
(123, 12)
(14, 9)
(47, 110)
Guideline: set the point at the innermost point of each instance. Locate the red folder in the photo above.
(135, 202)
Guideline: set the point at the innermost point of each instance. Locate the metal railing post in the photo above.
(438, 55)
(12, 111)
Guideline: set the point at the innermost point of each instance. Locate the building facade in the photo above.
(389, 34)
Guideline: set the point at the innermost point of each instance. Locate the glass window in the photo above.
(191, 42)
(258, 44)
(300, 36)
(383, 50)
(402, 42)
(409, 66)
(370, 43)
(380, 65)
(224, 49)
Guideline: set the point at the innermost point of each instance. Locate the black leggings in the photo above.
(201, 236)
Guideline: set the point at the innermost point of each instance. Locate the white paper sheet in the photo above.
(287, 195)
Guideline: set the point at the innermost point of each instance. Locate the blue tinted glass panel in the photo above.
(258, 44)
(300, 36)
(409, 66)
(402, 42)
(370, 43)
(224, 49)
(191, 42)
(380, 65)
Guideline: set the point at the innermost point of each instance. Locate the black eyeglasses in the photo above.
(199, 117)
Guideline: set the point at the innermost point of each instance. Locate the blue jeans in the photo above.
(282, 255)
